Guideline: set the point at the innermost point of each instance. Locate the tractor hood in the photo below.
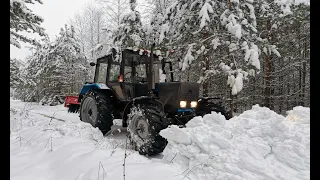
(171, 93)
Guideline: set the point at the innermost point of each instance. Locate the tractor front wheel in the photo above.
(96, 109)
(206, 108)
(144, 124)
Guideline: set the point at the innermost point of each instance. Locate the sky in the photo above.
(55, 13)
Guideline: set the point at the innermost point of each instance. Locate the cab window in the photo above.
(114, 72)
(102, 73)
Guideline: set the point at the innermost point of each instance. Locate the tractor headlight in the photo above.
(194, 104)
(183, 104)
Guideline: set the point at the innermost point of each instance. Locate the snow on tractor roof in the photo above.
(129, 55)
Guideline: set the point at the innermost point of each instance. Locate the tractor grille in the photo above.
(171, 93)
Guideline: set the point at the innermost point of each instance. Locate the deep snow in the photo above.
(66, 148)
(257, 144)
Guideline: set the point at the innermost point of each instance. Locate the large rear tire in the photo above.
(97, 110)
(144, 124)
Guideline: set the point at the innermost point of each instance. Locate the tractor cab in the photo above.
(129, 78)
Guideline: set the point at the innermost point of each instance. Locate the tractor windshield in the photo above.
(133, 68)
(141, 70)
(114, 72)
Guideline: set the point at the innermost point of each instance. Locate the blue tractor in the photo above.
(130, 89)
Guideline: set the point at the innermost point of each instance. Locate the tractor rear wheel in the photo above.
(144, 124)
(97, 110)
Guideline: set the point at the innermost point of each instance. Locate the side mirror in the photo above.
(92, 64)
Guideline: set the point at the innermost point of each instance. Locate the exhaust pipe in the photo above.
(151, 80)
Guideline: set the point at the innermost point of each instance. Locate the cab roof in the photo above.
(129, 56)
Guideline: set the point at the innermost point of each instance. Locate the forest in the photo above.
(243, 51)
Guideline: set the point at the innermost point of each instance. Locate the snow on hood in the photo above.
(258, 144)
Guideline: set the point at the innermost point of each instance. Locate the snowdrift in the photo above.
(258, 144)
(48, 143)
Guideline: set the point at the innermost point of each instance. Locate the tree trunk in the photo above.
(300, 69)
(98, 28)
(267, 79)
(253, 91)
(281, 82)
(304, 72)
(267, 72)
(231, 104)
(206, 83)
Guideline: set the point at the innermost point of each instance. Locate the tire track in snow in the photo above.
(49, 116)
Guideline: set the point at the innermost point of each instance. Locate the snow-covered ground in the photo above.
(64, 148)
(46, 142)
(256, 145)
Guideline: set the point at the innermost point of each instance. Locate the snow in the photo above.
(244, 22)
(174, 133)
(65, 148)
(238, 84)
(257, 144)
(291, 2)
(162, 77)
(274, 26)
(252, 54)
(141, 51)
(203, 14)
(158, 52)
(233, 27)
(103, 86)
(225, 68)
(188, 58)
(275, 51)
(252, 14)
(285, 5)
(215, 42)
(164, 29)
(136, 38)
(232, 47)
(14, 42)
(251, 72)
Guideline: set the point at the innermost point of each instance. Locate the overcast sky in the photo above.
(55, 13)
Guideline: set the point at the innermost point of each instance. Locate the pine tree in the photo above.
(234, 38)
(15, 78)
(22, 19)
(130, 32)
(58, 68)
(217, 35)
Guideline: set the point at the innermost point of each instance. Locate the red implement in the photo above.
(71, 100)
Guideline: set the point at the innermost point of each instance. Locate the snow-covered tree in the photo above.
(90, 29)
(130, 32)
(16, 68)
(22, 19)
(114, 10)
(14, 73)
(231, 38)
(58, 67)
(218, 35)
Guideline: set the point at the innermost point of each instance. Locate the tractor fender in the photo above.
(87, 87)
(136, 101)
(90, 86)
